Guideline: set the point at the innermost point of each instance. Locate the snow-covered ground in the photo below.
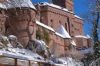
(26, 54)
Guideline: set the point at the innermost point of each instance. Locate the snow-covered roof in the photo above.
(58, 7)
(88, 36)
(59, 34)
(63, 32)
(45, 26)
(73, 43)
(78, 17)
(81, 36)
(17, 3)
(54, 6)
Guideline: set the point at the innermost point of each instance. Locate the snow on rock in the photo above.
(57, 60)
(72, 62)
(2, 45)
(34, 55)
(65, 61)
(2, 6)
(12, 55)
(17, 53)
(39, 47)
(5, 41)
(13, 40)
(31, 53)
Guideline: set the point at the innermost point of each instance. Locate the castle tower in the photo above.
(68, 4)
(21, 20)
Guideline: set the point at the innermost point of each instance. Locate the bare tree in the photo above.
(93, 16)
(77, 55)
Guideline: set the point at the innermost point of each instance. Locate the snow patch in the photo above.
(73, 43)
(78, 17)
(2, 6)
(81, 36)
(59, 34)
(63, 32)
(17, 3)
(45, 26)
(55, 6)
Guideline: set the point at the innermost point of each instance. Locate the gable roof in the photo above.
(63, 32)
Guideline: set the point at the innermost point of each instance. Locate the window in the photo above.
(40, 20)
(60, 22)
(68, 19)
(72, 31)
(51, 23)
(72, 25)
(0, 11)
(75, 28)
(66, 26)
(51, 20)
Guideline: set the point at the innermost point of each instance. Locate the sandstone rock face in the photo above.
(21, 23)
(18, 18)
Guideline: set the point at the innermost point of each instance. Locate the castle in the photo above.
(54, 22)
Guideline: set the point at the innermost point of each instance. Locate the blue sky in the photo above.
(79, 8)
